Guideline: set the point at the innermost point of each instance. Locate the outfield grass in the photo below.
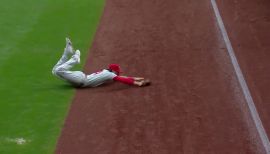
(33, 103)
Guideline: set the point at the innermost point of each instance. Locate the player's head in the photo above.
(115, 68)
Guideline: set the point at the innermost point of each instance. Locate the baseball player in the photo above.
(79, 79)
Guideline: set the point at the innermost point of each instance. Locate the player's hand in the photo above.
(138, 78)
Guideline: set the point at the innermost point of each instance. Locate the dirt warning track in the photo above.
(195, 102)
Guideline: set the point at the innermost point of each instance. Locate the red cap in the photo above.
(115, 68)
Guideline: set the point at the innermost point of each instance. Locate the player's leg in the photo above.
(75, 59)
(68, 50)
(76, 78)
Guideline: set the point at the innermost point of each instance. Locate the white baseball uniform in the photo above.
(78, 78)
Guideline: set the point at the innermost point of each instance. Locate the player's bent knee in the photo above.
(53, 71)
(57, 70)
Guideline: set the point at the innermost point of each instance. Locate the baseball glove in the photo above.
(145, 82)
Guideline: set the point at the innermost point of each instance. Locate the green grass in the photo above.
(33, 103)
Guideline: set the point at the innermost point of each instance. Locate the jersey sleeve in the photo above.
(125, 80)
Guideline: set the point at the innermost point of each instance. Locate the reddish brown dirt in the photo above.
(248, 25)
(194, 104)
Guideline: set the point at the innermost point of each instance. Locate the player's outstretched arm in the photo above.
(137, 81)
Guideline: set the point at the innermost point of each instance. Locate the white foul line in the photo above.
(243, 84)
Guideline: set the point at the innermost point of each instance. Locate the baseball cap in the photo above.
(115, 68)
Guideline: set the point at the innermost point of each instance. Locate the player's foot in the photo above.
(68, 41)
(78, 55)
(69, 48)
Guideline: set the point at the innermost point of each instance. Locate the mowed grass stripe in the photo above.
(33, 103)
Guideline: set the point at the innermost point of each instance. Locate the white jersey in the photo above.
(98, 78)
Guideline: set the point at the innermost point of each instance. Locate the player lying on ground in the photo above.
(79, 79)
